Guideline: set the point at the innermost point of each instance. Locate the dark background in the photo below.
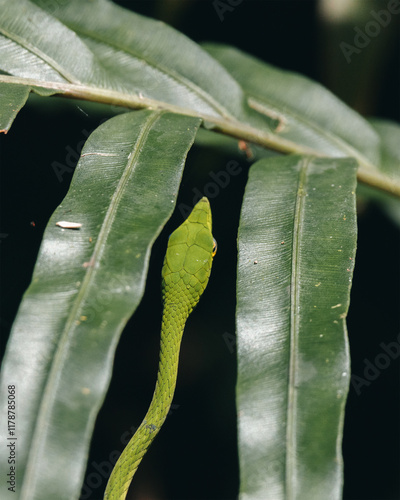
(195, 455)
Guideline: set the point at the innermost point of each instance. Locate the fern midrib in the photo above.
(294, 329)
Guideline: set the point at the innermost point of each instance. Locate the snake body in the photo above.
(185, 274)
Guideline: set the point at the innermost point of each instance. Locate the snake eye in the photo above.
(215, 246)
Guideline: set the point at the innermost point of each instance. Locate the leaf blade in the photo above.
(389, 133)
(307, 113)
(31, 49)
(287, 265)
(154, 43)
(12, 100)
(85, 286)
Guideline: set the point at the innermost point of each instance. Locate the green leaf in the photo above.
(36, 45)
(306, 112)
(12, 99)
(297, 241)
(86, 284)
(152, 58)
(389, 133)
(113, 49)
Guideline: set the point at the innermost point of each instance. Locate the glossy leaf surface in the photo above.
(86, 284)
(297, 241)
(304, 111)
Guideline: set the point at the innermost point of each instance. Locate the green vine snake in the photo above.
(185, 274)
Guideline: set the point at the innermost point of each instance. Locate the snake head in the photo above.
(189, 256)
